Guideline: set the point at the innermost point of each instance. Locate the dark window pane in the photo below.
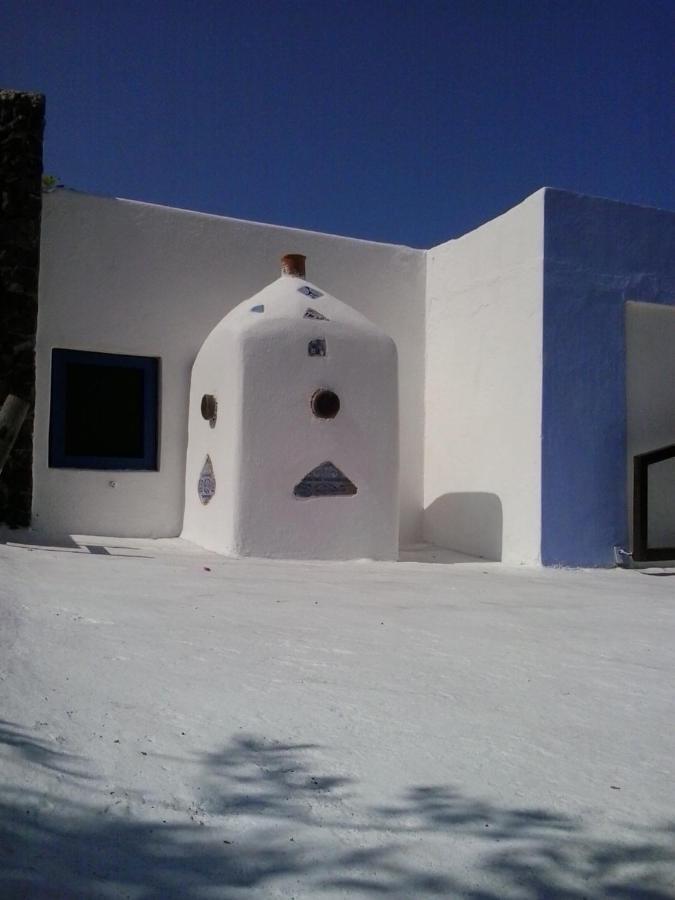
(104, 411)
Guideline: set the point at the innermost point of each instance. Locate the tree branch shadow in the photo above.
(38, 752)
(269, 821)
(254, 776)
(533, 853)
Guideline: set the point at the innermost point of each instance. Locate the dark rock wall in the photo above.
(21, 131)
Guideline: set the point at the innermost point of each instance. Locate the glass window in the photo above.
(103, 411)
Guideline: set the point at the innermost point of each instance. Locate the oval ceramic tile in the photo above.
(310, 292)
(206, 486)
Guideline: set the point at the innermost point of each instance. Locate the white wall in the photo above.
(124, 277)
(218, 370)
(482, 488)
(269, 439)
(650, 411)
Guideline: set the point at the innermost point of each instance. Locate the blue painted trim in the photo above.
(58, 458)
(597, 255)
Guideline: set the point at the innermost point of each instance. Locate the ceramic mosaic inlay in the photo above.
(206, 486)
(313, 314)
(310, 292)
(325, 480)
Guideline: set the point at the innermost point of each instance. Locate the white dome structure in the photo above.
(293, 430)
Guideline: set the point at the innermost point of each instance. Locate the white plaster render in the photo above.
(650, 411)
(256, 363)
(482, 486)
(331, 731)
(119, 276)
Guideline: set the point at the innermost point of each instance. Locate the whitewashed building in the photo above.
(293, 429)
(535, 361)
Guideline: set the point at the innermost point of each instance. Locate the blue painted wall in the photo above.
(598, 254)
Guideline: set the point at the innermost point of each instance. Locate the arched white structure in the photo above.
(300, 457)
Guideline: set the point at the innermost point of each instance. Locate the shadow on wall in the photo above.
(469, 522)
(265, 821)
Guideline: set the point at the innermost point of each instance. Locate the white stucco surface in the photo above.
(257, 362)
(119, 276)
(482, 487)
(650, 408)
(180, 725)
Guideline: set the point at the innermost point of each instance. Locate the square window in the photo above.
(103, 411)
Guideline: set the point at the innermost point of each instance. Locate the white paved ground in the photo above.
(178, 725)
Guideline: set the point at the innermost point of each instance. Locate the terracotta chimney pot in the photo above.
(293, 264)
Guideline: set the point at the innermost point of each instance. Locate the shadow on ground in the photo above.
(31, 541)
(268, 821)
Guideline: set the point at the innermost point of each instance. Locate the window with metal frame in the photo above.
(104, 411)
(643, 551)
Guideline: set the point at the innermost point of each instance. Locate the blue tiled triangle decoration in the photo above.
(325, 480)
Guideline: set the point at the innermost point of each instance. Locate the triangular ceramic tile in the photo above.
(206, 487)
(325, 480)
(313, 314)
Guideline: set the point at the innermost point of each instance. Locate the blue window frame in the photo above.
(104, 411)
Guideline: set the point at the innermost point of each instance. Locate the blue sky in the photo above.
(407, 122)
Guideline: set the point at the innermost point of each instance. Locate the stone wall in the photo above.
(21, 131)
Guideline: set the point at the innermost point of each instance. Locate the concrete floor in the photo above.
(180, 725)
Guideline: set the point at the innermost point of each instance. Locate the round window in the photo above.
(209, 408)
(325, 404)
